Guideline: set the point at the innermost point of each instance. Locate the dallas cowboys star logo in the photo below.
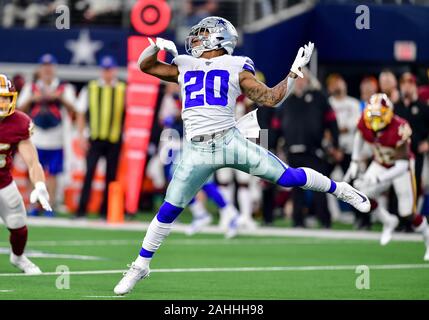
(220, 21)
(83, 49)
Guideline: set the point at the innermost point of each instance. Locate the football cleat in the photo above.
(228, 221)
(426, 257)
(232, 228)
(49, 214)
(130, 278)
(231, 232)
(354, 197)
(246, 223)
(388, 228)
(228, 216)
(198, 224)
(24, 264)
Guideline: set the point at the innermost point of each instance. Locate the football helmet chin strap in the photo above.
(197, 51)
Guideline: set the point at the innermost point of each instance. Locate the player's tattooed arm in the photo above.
(260, 93)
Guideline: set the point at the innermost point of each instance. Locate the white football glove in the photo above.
(302, 58)
(40, 194)
(166, 45)
(352, 172)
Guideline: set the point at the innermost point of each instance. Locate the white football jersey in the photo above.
(209, 89)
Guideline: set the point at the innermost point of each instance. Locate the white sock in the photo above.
(245, 202)
(316, 181)
(228, 211)
(227, 192)
(14, 256)
(156, 233)
(142, 262)
(198, 209)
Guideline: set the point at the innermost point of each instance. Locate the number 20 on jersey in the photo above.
(206, 88)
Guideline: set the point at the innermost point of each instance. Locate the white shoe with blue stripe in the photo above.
(130, 279)
(354, 197)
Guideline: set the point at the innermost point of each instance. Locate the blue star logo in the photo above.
(220, 21)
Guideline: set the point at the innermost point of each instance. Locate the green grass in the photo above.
(204, 251)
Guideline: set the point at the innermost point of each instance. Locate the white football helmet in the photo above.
(214, 33)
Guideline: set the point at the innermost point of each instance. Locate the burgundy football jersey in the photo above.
(385, 142)
(13, 129)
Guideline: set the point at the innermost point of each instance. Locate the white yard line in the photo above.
(39, 254)
(235, 269)
(77, 243)
(6, 291)
(109, 297)
(260, 232)
(185, 242)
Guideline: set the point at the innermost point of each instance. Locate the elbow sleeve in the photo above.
(289, 89)
(146, 53)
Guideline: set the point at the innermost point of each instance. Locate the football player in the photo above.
(211, 79)
(16, 128)
(392, 164)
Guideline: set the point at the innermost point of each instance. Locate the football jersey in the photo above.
(209, 89)
(385, 142)
(13, 129)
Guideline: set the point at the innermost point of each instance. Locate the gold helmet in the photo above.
(7, 106)
(378, 112)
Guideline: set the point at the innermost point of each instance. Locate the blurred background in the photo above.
(74, 47)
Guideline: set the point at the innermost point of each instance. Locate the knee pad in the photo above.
(14, 214)
(15, 221)
(224, 176)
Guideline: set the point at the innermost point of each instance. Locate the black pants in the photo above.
(268, 197)
(96, 150)
(419, 171)
(319, 201)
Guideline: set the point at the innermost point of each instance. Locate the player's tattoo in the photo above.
(260, 93)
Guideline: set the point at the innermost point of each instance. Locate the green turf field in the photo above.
(209, 267)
